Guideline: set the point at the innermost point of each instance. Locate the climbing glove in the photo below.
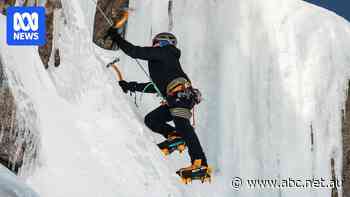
(113, 33)
(128, 86)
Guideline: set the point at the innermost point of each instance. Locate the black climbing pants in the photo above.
(157, 122)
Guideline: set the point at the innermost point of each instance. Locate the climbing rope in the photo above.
(109, 21)
(149, 77)
(143, 91)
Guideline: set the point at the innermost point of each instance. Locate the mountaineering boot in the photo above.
(197, 171)
(174, 142)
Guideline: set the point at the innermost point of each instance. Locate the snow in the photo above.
(269, 70)
(12, 186)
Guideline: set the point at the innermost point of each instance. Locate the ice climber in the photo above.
(170, 80)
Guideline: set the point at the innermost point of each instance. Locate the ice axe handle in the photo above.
(115, 67)
(121, 22)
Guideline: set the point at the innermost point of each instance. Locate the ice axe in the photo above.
(124, 18)
(114, 65)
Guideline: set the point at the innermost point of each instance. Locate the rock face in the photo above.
(18, 136)
(113, 10)
(4, 4)
(17, 140)
(45, 51)
(11, 155)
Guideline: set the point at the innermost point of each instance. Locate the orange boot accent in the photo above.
(173, 135)
(196, 164)
(165, 151)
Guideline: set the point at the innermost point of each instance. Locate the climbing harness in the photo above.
(181, 88)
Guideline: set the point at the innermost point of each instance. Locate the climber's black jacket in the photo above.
(163, 62)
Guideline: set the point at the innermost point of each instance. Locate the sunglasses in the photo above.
(160, 42)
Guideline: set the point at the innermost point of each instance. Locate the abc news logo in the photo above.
(26, 26)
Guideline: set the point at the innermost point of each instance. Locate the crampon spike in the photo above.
(207, 179)
(183, 180)
(188, 181)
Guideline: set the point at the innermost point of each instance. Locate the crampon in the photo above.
(195, 172)
(172, 144)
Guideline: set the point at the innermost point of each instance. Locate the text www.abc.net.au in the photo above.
(238, 183)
